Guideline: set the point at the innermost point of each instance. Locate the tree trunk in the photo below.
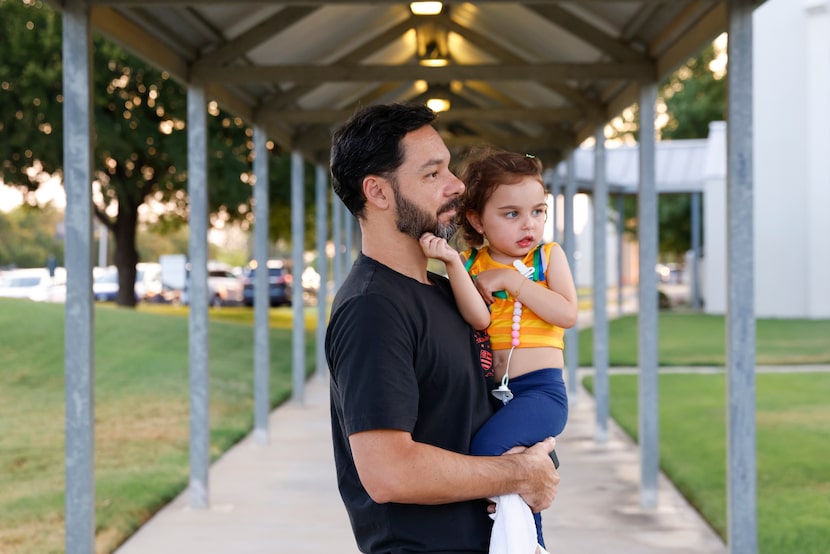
(126, 253)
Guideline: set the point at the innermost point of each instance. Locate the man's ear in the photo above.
(375, 189)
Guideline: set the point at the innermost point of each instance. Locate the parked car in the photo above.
(670, 273)
(105, 283)
(224, 287)
(147, 282)
(35, 284)
(148, 285)
(279, 284)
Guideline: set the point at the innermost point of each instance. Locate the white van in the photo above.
(34, 284)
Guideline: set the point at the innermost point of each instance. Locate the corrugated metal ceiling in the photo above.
(529, 76)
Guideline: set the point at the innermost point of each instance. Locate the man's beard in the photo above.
(415, 221)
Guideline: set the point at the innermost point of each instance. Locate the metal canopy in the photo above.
(535, 76)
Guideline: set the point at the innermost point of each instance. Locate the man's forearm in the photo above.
(394, 468)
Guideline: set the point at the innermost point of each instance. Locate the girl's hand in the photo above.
(437, 248)
(492, 280)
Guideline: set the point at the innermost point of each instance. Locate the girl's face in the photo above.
(513, 219)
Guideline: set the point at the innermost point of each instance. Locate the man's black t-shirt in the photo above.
(401, 357)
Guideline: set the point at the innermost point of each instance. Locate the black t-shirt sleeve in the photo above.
(372, 366)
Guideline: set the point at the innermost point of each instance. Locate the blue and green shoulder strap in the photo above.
(538, 267)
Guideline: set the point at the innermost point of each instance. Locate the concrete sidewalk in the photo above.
(598, 508)
(283, 497)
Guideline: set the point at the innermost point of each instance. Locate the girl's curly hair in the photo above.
(481, 173)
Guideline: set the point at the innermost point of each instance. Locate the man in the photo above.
(407, 388)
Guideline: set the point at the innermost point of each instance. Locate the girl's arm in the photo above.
(557, 302)
(470, 303)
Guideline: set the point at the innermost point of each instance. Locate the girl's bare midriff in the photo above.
(525, 360)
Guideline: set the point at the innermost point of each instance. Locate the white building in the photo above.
(791, 170)
(681, 166)
(792, 158)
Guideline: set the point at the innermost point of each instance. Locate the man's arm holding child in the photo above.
(394, 468)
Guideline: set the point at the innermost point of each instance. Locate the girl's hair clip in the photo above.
(531, 156)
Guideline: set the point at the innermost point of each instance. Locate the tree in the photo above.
(140, 124)
(29, 236)
(693, 96)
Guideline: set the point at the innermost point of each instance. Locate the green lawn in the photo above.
(793, 422)
(141, 412)
(695, 339)
(141, 404)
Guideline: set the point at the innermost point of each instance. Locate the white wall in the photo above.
(791, 170)
(818, 151)
(791, 173)
(791, 149)
(713, 270)
(584, 271)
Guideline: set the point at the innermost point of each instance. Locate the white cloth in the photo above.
(514, 531)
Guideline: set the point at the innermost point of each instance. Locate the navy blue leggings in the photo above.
(539, 409)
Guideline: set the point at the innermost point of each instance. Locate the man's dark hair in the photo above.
(369, 143)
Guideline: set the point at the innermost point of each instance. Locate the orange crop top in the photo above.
(534, 331)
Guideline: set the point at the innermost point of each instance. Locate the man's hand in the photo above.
(542, 483)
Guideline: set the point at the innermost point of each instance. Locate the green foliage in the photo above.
(29, 236)
(141, 408)
(151, 244)
(140, 147)
(675, 225)
(697, 339)
(30, 89)
(279, 225)
(140, 118)
(674, 220)
(792, 434)
(695, 97)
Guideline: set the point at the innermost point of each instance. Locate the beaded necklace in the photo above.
(503, 392)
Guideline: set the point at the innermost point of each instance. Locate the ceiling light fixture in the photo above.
(438, 98)
(439, 104)
(432, 45)
(433, 56)
(426, 8)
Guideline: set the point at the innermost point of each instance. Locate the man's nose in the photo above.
(456, 186)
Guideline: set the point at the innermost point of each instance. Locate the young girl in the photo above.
(524, 306)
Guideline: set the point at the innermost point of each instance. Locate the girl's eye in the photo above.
(511, 215)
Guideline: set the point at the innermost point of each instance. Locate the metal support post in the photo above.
(297, 247)
(601, 382)
(198, 295)
(262, 294)
(742, 511)
(648, 400)
(79, 355)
